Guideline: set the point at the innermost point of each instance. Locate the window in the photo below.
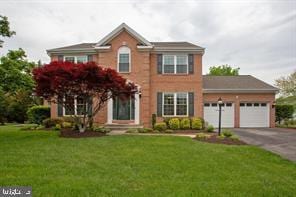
(181, 64)
(81, 59)
(169, 64)
(249, 104)
(228, 104)
(175, 64)
(181, 104)
(242, 104)
(70, 59)
(75, 59)
(214, 105)
(207, 105)
(256, 104)
(175, 104)
(168, 105)
(263, 104)
(74, 106)
(124, 58)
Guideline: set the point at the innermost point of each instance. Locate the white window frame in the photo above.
(175, 63)
(124, 50)
(75, 108)
(75, 57)
(175, 104)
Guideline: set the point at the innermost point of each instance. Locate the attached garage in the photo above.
(254, 114)
(211, 114)
(252, 101)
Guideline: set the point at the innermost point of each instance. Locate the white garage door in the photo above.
(211, 114)
(254, 115)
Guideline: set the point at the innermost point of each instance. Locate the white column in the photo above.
(137, 109)
(110, 111)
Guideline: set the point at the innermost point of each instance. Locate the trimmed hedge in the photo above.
(38, 113)
(174, 123)
(161, 126)
(196, 123)
(185, 123)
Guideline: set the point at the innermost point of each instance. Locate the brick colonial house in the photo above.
(171, 84)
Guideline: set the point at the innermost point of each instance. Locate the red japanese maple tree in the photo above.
(87, 81)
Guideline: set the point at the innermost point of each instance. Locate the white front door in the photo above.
(211, 114)
(254, 114)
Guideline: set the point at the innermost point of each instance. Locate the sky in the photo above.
(257, 36)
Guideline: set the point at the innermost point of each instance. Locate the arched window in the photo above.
(124, 60)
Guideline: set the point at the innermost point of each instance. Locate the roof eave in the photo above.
(240, 90)
(119, 29)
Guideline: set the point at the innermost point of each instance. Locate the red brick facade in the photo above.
(144, 74)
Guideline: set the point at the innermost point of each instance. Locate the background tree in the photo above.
(223, 70)
(4, 28)
(16, 72)
(283, 112)
(62, 82)
(287, 85)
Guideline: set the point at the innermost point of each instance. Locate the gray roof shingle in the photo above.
(241, 82)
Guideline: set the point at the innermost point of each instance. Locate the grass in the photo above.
(139, 166)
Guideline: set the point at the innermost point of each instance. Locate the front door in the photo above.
(123, 109)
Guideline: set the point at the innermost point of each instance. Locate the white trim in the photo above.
(175, 63)
(124, 50)
(75, 57)
(110, 111)
(103, 47)
(175, 104)
(119, 29)
(137, 109)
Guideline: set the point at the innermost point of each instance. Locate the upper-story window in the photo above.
(76, 59)
(124, 59)
(175, 64)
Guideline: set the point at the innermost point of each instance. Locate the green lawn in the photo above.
(139, 166)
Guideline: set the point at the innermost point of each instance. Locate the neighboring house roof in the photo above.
(143, 44)
(241, 83)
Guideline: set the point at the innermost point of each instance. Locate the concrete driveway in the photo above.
(277, 140)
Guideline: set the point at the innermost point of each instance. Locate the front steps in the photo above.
(115, 126)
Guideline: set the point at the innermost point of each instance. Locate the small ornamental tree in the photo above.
(62, 82)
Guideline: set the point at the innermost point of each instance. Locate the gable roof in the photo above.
(144, 44)
(240, 83)
(118, 30)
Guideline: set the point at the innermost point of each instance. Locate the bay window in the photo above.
(175, 64)
(175, 104)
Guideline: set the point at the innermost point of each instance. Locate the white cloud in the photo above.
(257, 36)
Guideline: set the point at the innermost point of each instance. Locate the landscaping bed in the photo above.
(214, 138)
(69, 133)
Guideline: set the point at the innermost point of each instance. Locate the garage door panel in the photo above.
(211, 114)
(254, 115)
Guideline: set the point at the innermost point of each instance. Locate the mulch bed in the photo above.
(214, 139)
(187, 131)
(69, 133)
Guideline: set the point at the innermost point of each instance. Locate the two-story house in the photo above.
(171, 84)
